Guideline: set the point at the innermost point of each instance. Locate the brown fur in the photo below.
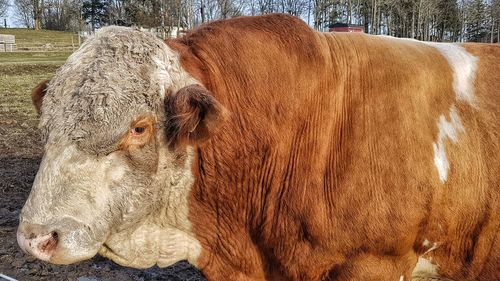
(325, 168)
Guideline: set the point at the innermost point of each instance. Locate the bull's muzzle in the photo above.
(36, 241)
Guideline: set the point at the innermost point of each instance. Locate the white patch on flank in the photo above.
(447, 130)
(401, 278)
(464, 66)
(461, 62)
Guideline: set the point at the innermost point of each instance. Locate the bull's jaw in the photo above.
(151, 244)
(165, 237)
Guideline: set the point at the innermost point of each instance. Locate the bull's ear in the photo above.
(37, 95)
(193, 115)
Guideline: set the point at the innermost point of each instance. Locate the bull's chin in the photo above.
(117, 257)
(151, 245)
(62, 258)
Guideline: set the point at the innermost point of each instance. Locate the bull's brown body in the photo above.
(326, 165)
(259, 149)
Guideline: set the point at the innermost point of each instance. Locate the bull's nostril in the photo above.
(50, 244)
(37, 241)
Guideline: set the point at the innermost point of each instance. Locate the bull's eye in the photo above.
(140, 133)
(138, 130)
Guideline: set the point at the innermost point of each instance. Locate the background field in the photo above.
(43, 40)
(31, 57)
(20, 155)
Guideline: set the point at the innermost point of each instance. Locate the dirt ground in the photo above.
(20, 155)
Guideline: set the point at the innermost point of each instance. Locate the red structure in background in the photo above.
(344, 27)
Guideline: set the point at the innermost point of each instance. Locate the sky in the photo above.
(10, 17)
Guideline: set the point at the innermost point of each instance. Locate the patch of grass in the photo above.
(16, 86)
(18, 57)
(20, 72)
(16, 70)
(30, 39)
(18, 118)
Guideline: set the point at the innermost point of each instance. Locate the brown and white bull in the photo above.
(257, 148)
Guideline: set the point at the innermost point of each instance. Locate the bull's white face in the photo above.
(110, 181)
(115, 204)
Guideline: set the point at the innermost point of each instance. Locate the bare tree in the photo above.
(116, 10)
(321, 8)
(24, 12)
(475, 26)
(265, 6)
(293, 7)
(147, 13)
(4, 6)
(37, 6)
(209, 8)
(494, 13)
(62, 15)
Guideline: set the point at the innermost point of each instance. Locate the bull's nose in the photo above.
(42, 245)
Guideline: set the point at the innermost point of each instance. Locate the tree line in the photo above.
(429, 20)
